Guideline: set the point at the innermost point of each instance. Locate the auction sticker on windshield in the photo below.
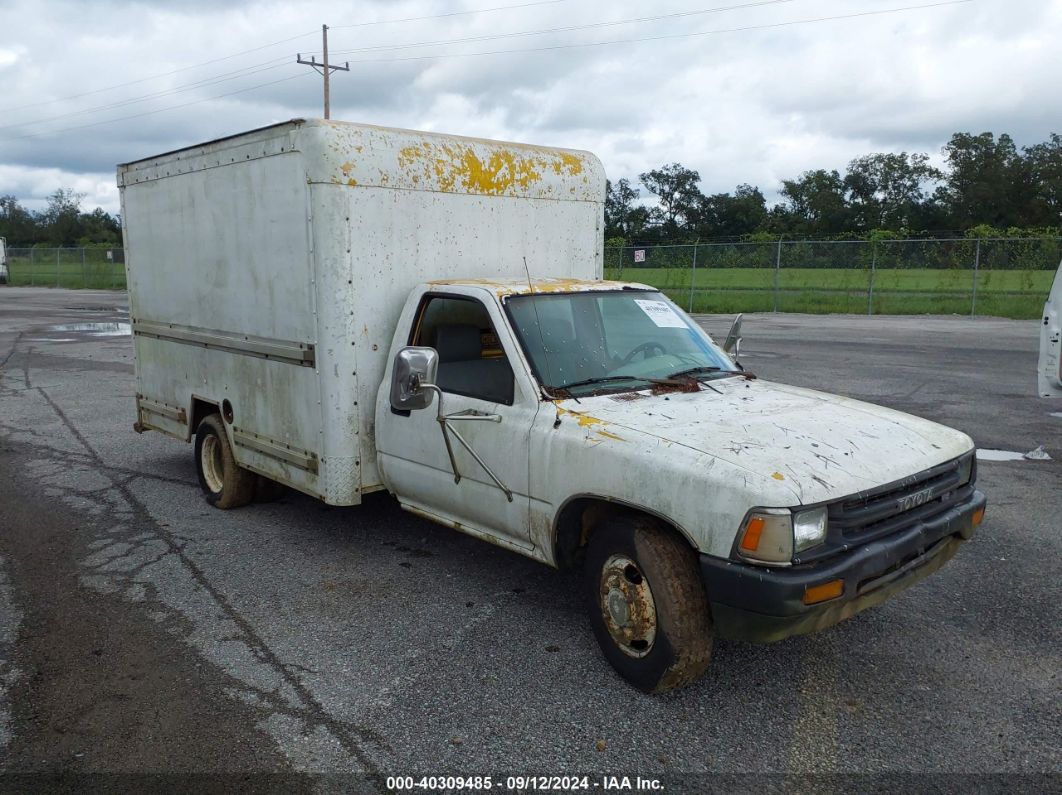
(661, 314)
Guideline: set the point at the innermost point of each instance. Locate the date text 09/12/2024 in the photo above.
(524, 783)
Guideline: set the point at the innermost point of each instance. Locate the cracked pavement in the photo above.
(318, 648)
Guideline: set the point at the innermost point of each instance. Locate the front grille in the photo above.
(879, 512)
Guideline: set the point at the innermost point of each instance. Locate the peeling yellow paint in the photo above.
(503, 172)
(584, 420)
(778, 476)
(608, 435)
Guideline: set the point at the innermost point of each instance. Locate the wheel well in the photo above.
(580, 517)
(200, 410)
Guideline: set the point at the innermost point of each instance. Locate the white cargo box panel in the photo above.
(268, 270)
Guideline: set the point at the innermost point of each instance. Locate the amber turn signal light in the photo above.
(978, 515)
(751, 540)
(814, 594)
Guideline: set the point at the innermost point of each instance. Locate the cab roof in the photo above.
(506, 287)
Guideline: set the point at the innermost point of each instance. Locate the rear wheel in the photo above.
(647, 604)
(224, 482)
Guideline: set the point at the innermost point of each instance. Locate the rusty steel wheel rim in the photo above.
(627, 606)
(213, 466)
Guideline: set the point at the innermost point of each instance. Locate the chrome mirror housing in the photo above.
(733, 339)
(414, 369)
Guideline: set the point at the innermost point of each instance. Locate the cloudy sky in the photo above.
(741, 90)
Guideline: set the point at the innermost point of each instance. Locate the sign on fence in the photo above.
(639, 255)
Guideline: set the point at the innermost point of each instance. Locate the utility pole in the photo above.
(325, 69)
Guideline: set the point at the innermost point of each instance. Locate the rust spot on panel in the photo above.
(500, 172)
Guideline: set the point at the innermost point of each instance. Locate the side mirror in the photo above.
(414, 369)
(733, 339)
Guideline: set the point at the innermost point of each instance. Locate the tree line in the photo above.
(61, 223)
(986, 187)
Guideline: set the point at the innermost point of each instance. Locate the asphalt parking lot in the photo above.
(300, 646)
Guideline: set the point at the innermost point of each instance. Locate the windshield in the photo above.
(621, 340)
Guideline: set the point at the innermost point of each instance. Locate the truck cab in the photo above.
(593, 423)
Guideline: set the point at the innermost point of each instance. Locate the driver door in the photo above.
(477, 380)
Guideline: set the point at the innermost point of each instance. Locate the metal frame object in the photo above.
(470, 415)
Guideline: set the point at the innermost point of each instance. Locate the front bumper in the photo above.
(767, 604)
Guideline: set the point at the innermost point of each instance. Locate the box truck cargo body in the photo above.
(267, 270)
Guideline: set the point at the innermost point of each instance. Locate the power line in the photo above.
(178, 89)
(450, 14)
(264, 47)
(516, 51)
(568, 28)
(157, 110)
(663, 37)
(157, 76)
(277, 63)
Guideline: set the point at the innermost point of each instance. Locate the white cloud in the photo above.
(757, 105)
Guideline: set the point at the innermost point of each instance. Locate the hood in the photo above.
(822, 446)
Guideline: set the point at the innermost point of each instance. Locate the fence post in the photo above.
(977, 266)
(33, 268)
(58, 251)
(693, 276)
(777, 270)
(84, 283)
(873, 270)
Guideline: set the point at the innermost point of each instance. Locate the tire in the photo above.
(267, 489)
(225, 483)
(647, 604)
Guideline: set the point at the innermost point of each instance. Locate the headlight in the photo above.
(767, 536)
(774, 535)
(966, 470)
(809, 528)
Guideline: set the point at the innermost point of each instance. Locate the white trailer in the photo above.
(267, 270)
(303, 294)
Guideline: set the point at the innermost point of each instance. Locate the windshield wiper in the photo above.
(605, 379)
(708, 370)
(699, 370)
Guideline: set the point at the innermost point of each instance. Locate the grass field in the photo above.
(910, 291)
(906, 291)
(66, 270)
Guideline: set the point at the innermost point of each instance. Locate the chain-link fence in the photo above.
(77, 268)
(1006, 277)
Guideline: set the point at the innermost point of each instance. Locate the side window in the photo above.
(471, 360)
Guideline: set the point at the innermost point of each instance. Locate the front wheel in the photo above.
(647, 604)
(224, 482)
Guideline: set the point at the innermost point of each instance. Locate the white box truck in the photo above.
(342, 308)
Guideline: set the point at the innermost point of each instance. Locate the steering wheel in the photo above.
(644, 348)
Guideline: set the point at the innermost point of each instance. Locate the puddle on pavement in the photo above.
(95, 329)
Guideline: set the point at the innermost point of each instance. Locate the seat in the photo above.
(463, 370)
